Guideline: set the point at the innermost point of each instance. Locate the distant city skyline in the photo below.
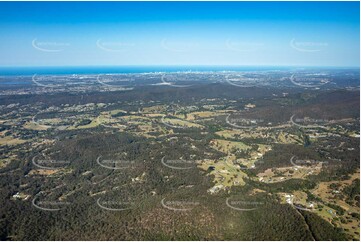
(180, 34)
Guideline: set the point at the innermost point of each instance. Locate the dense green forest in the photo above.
(111, 183)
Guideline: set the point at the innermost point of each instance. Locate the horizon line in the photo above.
(184, 65)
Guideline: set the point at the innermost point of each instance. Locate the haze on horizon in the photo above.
(179, 33)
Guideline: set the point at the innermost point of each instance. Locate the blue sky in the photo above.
(179, 33)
